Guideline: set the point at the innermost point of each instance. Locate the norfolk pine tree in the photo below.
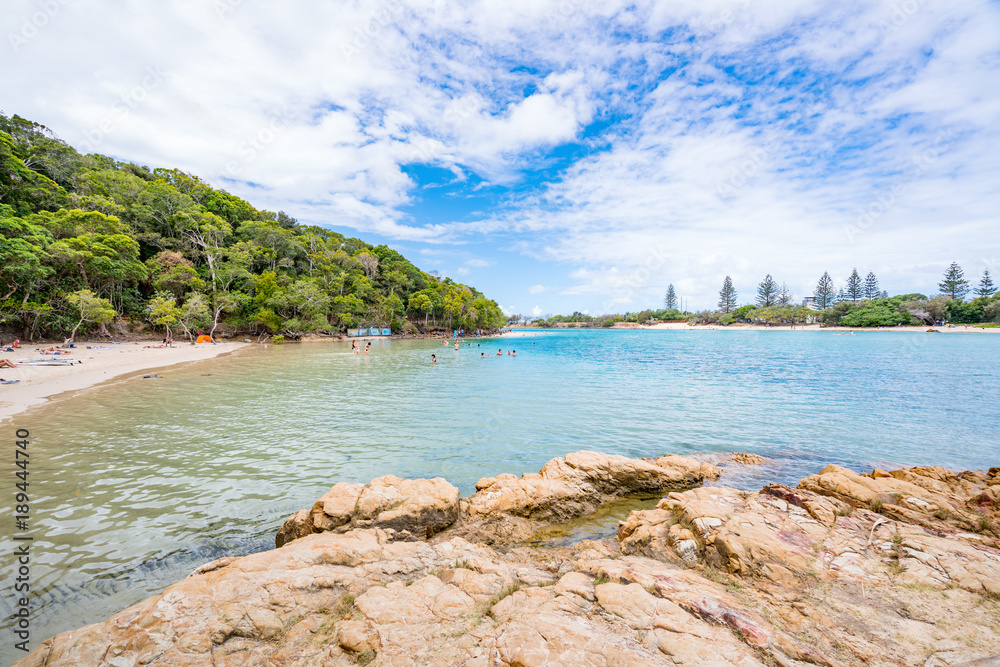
(727, 295)
(825, 293)
(854, 290)
(767, 292)
(986, 286)
(784, 295)
(670, 302)
(954, 284)
(871, 287)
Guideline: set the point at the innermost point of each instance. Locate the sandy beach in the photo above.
(102, 362)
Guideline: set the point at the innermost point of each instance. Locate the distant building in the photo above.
(810, 303)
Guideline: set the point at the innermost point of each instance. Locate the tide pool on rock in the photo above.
(139, 483)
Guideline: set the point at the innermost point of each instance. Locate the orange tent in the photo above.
(204, 339)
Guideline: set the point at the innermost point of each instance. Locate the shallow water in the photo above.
(135, 484)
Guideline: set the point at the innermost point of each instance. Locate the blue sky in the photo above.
(561, 155)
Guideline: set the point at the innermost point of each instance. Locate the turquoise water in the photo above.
(137, 483)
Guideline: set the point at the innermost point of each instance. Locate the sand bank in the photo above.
(91, 367)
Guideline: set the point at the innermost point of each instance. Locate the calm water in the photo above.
(135, 484)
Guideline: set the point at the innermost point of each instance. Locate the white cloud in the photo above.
(536, 289)
(536, 311)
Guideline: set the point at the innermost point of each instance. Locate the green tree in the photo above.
(954, 283)
(784, 295)
(22, 254)
(986, 286)
(745, 313)
(193, 314)
(670, 301)
(825, 293)
(90, 309)
(854, 290)
(224, 302)
(99, 262)
(21, 188)
(871, 289)
(163, 310)
(767, 292)
(421, 303)
(727, 296)
(991, 311)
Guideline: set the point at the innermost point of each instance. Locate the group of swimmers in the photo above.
(482, 355)
(356, 349)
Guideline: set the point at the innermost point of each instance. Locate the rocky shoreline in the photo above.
(888, 568)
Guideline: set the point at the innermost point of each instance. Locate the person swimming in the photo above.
(500, 352)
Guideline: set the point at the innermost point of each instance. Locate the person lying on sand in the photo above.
(52, 349)
(7, 363)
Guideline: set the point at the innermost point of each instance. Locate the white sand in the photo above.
(38, 383)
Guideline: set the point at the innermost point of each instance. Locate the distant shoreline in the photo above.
(684, 326)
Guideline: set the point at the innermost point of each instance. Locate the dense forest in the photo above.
(90, 243)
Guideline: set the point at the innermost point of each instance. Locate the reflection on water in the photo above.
(136, 484)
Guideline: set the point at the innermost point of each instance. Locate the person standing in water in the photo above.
(434, 359)
(368, 346)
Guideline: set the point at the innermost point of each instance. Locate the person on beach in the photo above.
(434, 359)
(7, 363)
